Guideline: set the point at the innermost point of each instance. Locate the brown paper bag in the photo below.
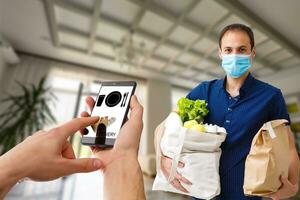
(267, 160)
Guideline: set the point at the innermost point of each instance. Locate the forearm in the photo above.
(123, 179)
(9, 175)
(294, 168)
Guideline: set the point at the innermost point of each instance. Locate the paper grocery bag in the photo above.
(268, 159)
(158, 133)
(199, 151)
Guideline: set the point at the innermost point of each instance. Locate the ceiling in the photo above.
(180, 36)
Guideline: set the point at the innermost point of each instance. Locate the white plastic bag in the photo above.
(199, 151)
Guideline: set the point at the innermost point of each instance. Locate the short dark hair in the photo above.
(238, 27)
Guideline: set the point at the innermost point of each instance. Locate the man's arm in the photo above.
(8, 176)
(166, 162)
(123, 179)
(46, 155)
(289, 185)
(294, 161)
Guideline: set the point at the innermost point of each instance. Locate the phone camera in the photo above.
(113, 99)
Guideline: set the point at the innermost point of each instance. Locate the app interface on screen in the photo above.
(110, 107)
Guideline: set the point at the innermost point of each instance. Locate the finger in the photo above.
(134, 125)
(273, 196)
(186, 181)
(72, 166)
(178, 186)
(74, 125)
(166, 158)
(94, 149)
(67, 151)
(166, 162)
(136, 113)
(285, 180)
(84, 131)
(181, 164)
(84, 114)
(182, 179)
(90, 102)
(169, 161)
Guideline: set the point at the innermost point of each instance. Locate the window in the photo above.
(177, 93)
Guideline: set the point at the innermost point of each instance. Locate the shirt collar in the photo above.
(245, 87)
(247, 84)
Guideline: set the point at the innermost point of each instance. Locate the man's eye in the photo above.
(227, 50)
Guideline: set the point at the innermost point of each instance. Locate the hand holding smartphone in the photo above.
(112, 105)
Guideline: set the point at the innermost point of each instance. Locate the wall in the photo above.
(158, 106)
(2, 69)
(288, 81)
(31, 68)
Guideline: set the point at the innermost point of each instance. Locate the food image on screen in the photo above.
(101, 126)
(111, 106)
(113, 99)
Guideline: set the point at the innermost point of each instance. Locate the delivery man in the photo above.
(241, 104)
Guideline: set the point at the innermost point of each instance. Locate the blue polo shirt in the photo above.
(242, 116)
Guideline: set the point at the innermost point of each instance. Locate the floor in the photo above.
(48, 191)
(159, 195)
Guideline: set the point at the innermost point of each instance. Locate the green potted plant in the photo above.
(25, 114)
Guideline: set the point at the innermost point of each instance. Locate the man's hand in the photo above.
(166, 164)
(46, 155)
(122, 174)
(128, 140)
(289, 185)
(286, 190)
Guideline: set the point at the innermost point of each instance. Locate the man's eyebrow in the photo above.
(229, 47)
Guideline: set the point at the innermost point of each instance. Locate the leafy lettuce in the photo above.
(192, 110)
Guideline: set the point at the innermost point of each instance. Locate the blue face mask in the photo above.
(236, 65)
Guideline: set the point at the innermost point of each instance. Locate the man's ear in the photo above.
(254, 52)
(220, 53)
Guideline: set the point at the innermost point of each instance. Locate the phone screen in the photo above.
(112, 107)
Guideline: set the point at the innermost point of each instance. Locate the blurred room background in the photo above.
(166, 46)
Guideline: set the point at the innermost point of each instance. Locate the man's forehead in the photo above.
(235, 38)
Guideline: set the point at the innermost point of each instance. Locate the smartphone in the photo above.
(112, 106)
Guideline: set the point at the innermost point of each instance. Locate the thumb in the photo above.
(272, 196)
(284, 180)
(276, 197)
(83, 165)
